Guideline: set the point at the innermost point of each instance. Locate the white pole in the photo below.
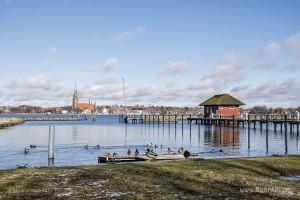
(51, 142)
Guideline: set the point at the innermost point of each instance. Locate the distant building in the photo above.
(224, 105)
(82, 106)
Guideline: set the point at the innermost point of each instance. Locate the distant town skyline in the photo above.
(171, 53)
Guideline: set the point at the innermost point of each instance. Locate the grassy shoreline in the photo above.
(247, 178)
(6, 122)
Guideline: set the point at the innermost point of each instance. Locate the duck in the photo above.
(150, 145)
(107, 154)
(136, 153)
(151, 154)
(129, 152)
(115, 155)
(26, 150)
(186, 154)
(181, 150)
(171, 152)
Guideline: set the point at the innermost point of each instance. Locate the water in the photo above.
(112, 136)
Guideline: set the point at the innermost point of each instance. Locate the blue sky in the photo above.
(170, 52)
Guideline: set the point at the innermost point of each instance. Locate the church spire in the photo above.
(75, 98)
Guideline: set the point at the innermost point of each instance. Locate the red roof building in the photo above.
(86, 106)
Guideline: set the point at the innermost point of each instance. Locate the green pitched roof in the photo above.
(222, 100)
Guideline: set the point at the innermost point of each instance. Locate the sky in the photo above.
(170, 52)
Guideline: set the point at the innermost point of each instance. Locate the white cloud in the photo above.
(266, 56)
(174, 68)
(128, 34)
(110, 63)
(292, 47)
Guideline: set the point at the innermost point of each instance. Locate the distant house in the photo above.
(224, 105)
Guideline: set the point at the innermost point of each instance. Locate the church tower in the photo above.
(75, 99)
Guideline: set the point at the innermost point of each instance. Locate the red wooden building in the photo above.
(224, 105)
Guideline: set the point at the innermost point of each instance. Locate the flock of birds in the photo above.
(150, 152)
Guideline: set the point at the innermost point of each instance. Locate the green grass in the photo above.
(253, 178)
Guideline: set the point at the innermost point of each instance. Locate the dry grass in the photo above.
(194, 179)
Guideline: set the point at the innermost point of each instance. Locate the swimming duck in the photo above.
(129, 152)
(26, 150)
(136, 153)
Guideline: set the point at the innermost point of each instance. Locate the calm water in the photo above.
(71, 137)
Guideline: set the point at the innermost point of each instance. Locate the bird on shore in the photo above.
(181, 150)
(107, 154)
(151, 154)
(186, 154)
(171, 152)
(129, 152)
(26, 150)
(136, 153)
(115, 155)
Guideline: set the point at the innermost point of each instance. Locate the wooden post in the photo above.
(267, 141)
(248, 134)
(285, 134)
(175, 122)
(163, 120)
(182, 121)
(51, 146)
(267, 119)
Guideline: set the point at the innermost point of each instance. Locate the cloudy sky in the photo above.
(170, 52)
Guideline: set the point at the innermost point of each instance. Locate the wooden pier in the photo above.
(163, 157)
(251, 120)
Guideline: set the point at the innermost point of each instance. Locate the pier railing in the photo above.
(155, 118)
